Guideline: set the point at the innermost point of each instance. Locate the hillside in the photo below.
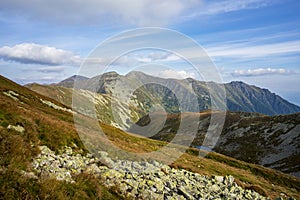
(272, 141)
(47, 122)
(120, 118)
(153, 90)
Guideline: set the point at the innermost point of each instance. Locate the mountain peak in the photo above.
(73, 78)
(111, 73)
(137, 74)
(69, 82)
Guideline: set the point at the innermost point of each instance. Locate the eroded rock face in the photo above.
(141, 180)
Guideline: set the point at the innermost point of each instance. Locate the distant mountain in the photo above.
(153, 90)
(249, 98)
(69, 82)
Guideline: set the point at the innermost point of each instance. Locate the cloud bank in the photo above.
(30, 53)
(230, 6)
(260, 72)
(245, 50)
(132, 12)
(136, 12)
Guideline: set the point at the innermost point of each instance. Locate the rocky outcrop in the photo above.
(139, 180)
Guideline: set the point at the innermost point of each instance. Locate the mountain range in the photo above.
(29, 120)
(149, 90)
(272, 141)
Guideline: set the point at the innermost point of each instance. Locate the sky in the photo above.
(255, 41)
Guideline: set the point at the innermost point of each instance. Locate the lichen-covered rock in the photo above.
(139, 180)
(17, 128)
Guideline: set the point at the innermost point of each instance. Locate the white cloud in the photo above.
(181, 74)
(47, 69)
(30, 53)
(51, 69)
(260, 72)
(153, 56)
(133, 59)
(229, 6)
(251, 51)
(136, 12)
(39, 79)
(132, 12)
(225, 6)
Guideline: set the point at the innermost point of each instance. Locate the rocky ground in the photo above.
(139, 180)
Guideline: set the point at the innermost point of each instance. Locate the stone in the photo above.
(214, 188)
(93, 169)
(106, 161)
(139, 180)
(171, 185)
(229, 180)
(159, 186)
(45, 150)
(30, 175)
(165, 169)
(68, 151)
(17, 128)
(182, 191)
(219, 179)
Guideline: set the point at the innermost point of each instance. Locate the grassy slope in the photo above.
(45, 125)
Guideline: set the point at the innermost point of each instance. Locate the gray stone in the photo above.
(219, 179)
(187, 195)
(139, 180)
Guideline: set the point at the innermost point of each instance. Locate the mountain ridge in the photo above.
(239, 95)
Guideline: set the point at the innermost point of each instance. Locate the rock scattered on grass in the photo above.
(141, 180)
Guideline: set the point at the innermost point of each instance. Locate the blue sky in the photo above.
(256, 41)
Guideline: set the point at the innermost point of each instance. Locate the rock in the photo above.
(159, 186)
(165, 169)
(102, 154)
(219, 179)
(89, 155)
(68, 151)
(214, 188)
(45, 150)
(150, 183)
(17, 128)
(30, 175)
(139, 180)
(182, 191)
(93, 169)
(228, 180)
(171, 185)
